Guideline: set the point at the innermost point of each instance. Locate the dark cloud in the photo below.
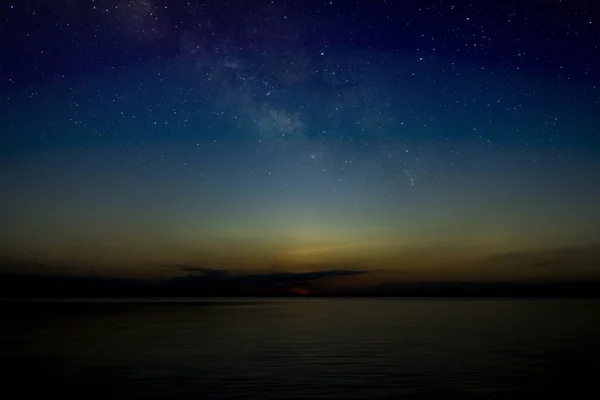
(206, 272)
(558, 257)
(296, 278)
(271, 279)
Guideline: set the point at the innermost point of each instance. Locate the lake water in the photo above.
(303, 348)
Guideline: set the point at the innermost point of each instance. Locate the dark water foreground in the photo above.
(303, 349)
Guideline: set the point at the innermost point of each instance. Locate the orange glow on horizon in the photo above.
(300, 291)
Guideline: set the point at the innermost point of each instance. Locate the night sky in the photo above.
(417, 140)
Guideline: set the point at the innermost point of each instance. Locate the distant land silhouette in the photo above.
(217, 283)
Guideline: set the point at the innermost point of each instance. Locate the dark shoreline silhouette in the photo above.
(15, 286)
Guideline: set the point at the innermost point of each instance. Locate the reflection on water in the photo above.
(304, 348)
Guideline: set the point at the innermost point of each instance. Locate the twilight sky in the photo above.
(416, 139)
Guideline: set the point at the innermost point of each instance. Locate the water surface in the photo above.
(303, 348)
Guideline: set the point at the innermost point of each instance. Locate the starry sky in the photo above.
(436, 140)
